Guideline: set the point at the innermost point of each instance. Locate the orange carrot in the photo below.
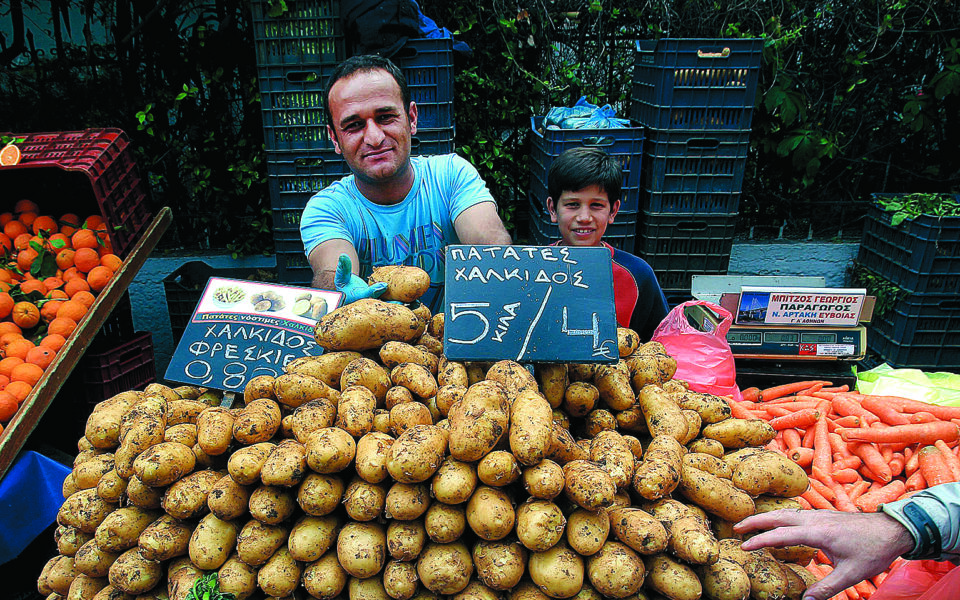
(924, 433)
(896, 464)
(824, 490)
(886, 412)
(845, 475)
(865, 588)
(913, 461)
(802, 456)
(807, 440)
(740, 410)
(848, 421)
(909, 405)
(815, 499)
(801, 418)
(953, 463)
(858, 489)
(916, 482)
(922, 417)
(847, 462)
(791, 438)
(838, 445)
(840, 498)
(933, 466)
(804, 503)
(839, 388)
(776, 444)
(873, 460)
(847, 406)
(750, 394)
(888, 493)
(821, 445)
(779, 391)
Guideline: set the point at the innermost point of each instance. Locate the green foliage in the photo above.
(886, 292)
(911, 206)
(208, 588)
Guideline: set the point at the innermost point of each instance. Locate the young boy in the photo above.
(584, 187)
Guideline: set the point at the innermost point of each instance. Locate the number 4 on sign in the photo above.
(599, 349)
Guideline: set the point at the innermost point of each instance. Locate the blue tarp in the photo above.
(30, 496)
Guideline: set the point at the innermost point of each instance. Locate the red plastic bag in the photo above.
(703, 359)
(919, 580)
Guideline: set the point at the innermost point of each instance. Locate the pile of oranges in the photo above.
(51, 270)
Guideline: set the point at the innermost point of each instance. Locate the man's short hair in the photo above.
(364, 63)
(582, 167)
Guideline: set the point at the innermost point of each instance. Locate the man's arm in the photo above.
(324, 258)
(480, 224)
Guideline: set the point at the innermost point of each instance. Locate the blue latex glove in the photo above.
(354, 288)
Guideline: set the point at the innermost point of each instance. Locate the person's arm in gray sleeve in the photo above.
(933, 518)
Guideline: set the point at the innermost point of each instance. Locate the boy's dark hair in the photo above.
(363, 63)
(581, 167)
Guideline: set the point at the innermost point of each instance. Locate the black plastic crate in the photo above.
(123, 364)
(924, 320)
(921, 255)
(695, 83)
(695, 162)
(691, 202)
(679, 246)
(427, 65)
(626, 145)
(292, 265)
(292, 96)
(294, 176)
(184, 287)
(309, 31)
(621, 234)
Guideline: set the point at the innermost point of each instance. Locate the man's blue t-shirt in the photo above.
(415, 231)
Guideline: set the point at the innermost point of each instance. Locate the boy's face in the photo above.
(582, 215)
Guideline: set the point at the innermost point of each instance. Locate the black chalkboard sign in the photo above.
(241, 329)
(530, 304)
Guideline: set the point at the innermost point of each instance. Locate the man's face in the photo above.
(582, 215)
(371, 127)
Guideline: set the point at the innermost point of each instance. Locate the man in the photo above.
(394, 209)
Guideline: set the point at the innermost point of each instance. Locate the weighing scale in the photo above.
(773, 354)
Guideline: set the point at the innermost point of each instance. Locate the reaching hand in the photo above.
(860, 545)
(354, 288)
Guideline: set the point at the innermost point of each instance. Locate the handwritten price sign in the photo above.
(529, 304)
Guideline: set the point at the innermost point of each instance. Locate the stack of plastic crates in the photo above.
(626, 145)
(297, 51)
(695, 96)
(921, 257)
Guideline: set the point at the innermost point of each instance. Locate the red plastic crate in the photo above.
(117, 365)
(106, 158)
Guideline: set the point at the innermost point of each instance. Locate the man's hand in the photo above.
(353, 287)
(860, 545)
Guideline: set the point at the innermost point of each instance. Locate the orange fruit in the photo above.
(19, 389)
(18, 349)
(6, 305)
(71, 273)
(26, 314)
(52, 283)
(22, 241)
(86, 259)
(61, 325)
(93, 222)
(75, 285)
(5, 275)
(45, 223)
(72, 309)
(27, 372)
(57, 295)
(48, 311)
(54, 341)
(5, 243)
(9, 327)
(70, 219)
(8, 363)
(41, 356)
(33, 285)
(14, 228)
(5, 286)
(8, 406)
(111, 261)
(4, 380)
(27, 218)
(25, 258)
(25, 205)
(8, 337)
(83, 238)
(6, 218)
(99, 277)
(105, 249)
(84, 297)
(65, 258)
(63, 240)
(9, 156)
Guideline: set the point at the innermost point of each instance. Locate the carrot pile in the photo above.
(859, 451)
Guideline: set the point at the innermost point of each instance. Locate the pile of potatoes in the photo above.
(381, 470)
